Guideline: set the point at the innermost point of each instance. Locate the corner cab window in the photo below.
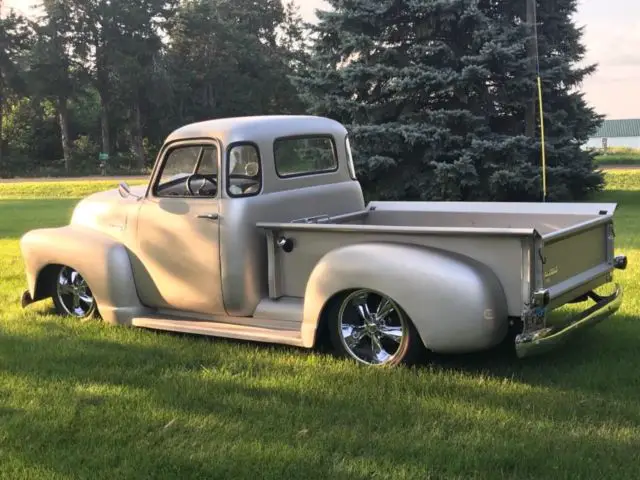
(189, 171)
(244, 177)
(304, 156)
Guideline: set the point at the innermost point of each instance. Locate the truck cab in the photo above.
(194, 234)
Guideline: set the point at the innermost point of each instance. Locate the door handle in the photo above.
(209, 216)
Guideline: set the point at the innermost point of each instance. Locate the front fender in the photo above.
(102, 260)
(456, 303)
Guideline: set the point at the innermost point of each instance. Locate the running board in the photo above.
(224, 330)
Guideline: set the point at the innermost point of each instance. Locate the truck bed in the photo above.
(566, 248)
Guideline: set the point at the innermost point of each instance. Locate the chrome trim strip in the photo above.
(578, 228)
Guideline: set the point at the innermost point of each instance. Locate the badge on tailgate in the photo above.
(551, 272)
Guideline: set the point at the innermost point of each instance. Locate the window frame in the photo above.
(227, 168)
(349, 154)
(201, 143)
(312, 172)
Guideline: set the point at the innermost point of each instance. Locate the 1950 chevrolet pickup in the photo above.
(256, 228)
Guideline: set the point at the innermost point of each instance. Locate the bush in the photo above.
(13, 165)
(84, 155)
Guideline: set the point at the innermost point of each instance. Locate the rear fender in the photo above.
(456, 303)
(102, 260)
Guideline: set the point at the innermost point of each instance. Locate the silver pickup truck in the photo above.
(256, 228)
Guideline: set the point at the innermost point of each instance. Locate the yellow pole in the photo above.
(544, 158)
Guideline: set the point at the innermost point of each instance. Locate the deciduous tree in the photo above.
(15, 40)
(54, 71)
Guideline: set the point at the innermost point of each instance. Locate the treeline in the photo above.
(91, 77)
(439, 95)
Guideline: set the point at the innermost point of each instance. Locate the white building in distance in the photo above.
(616, 133)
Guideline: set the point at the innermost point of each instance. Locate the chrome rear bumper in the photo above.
(541, 341)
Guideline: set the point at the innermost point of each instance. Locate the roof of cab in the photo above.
(258, 128)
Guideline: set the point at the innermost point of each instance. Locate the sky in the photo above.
(612, 38)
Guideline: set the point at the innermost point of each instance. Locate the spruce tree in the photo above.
(434, 93)
(569, 121)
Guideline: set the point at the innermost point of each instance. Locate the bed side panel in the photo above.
(289, 272)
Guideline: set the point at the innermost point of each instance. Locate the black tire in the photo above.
(410, 349)
(72, 296)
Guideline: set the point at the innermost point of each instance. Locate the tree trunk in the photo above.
(104, 124)
(63, 119)
(137, 146)
(1, 126)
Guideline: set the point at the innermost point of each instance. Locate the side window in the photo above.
(244, 173)
(304, 156)
(189, 171)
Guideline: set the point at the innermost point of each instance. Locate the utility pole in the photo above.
(530, 115)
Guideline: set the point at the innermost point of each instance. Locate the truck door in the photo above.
(178, 232)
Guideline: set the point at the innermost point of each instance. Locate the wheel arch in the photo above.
(102, 260)
(322, 334)
(45, 280)
(426, 283)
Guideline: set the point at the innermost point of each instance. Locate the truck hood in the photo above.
(107, 211)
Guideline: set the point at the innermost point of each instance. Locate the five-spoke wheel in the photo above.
(371, 328)
(72, 295)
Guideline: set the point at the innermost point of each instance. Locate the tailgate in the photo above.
(577, 259)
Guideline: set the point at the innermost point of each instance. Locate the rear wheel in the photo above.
(372, 329)
(72, 296)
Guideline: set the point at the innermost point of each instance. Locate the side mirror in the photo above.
(125, 191)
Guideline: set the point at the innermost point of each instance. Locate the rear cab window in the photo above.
(308, 155)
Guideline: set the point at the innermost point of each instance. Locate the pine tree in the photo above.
(569, 121)
(225, 59)
(434, 93)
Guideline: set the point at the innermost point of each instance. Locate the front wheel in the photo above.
(371, 328)
(72, 295)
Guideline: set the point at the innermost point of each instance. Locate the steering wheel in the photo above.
(198, 176)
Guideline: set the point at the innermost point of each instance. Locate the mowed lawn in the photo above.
(87, 400)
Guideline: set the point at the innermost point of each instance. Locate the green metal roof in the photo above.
(619, 128)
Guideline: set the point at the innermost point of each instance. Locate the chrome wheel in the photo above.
(372, 328)
(73, 295)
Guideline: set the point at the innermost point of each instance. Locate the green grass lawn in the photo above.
(87, 400)
(619, 156)
(618, 160)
